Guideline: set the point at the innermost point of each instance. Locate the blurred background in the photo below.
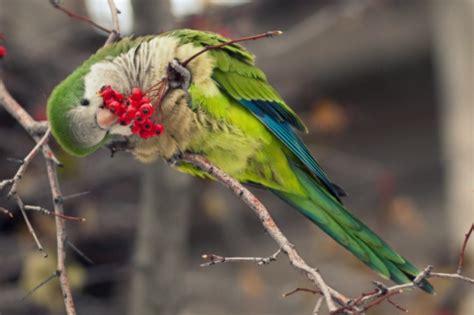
(386, 88)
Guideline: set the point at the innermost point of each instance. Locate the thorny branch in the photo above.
(29, 124)
(40, 132)
(13, 183)
(270, 226)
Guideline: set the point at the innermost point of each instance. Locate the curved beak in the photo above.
(105, 118)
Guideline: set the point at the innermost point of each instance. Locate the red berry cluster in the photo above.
(134, 109)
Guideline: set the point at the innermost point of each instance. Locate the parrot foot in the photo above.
(119, 146)
(175, 159)
(179, 77)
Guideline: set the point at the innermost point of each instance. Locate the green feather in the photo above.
(324, 210)
(237, 65)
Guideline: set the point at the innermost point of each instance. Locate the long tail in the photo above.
(331, 216)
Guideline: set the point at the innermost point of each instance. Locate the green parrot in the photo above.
(224, 110)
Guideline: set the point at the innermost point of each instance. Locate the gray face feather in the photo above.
(142, 66)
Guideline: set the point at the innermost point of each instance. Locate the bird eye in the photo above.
(85, 102)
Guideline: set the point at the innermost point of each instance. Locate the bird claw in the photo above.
(179, 77)
(175, 159)
(119, 146)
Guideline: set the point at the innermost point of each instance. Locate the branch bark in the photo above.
(34, 129)
(330, 294)
(30, 125)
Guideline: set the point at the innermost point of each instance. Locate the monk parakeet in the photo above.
(219, 105)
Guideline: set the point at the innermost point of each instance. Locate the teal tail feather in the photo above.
(333, 218)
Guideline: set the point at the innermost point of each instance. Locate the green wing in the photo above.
(237, 76)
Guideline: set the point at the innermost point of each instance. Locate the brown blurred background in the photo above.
(386, 87)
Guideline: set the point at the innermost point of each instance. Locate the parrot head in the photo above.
(75, 110)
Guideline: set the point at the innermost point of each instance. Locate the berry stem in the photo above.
(233, 41)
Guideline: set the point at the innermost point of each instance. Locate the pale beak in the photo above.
(105, 118)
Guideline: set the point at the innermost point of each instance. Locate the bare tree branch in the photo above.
(35, 129)
(29, 124)
(270, 226)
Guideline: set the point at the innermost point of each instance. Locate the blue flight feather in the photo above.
(265, 112)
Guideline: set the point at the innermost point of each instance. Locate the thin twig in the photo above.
(75, 195)
(79, 252)
(382, 298)
(216, 259)
(456, 276)
(86, 19)
(233, 41)
(115, 32)
(6, 211)
(318, 305)
(287, 294)
(26, 162)
(397, 305)
(270, 226)
(50, 213)
(463, 249)
(41, 284)
(21, 206)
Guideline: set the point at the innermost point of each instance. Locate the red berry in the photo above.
(147, 110)
(159, 128)
(146, 134)
(130, 112)
(3, 52)
(144, 100)
(118, 96)
(113, 106)
(136, 94)
(124, 120)
(139, 117)
(147, 125)
(108, 102)
(135, 104)
(106, 92)
(122, 109)
(136, 128)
